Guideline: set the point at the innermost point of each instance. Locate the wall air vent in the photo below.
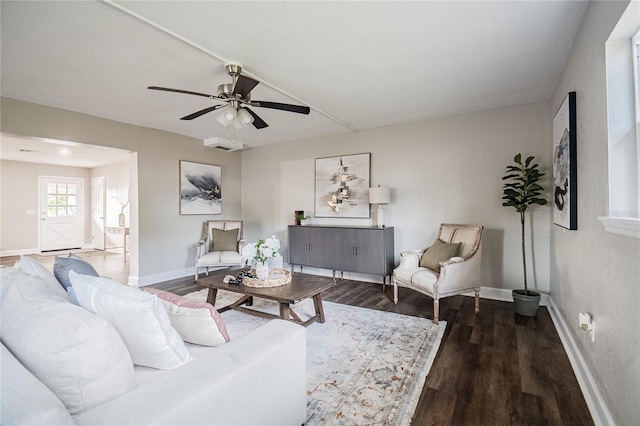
(224, 144)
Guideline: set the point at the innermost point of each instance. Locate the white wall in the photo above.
(19, 192)
(591, 270)
(162, 241)
(117, 182)
(443, 170)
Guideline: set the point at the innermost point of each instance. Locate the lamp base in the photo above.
(380, 216)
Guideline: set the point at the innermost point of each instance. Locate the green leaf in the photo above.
(529, 159)
(518, 158)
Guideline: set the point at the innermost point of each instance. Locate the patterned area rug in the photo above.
(364, 367)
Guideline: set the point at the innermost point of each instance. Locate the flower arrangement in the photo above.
(261, 251)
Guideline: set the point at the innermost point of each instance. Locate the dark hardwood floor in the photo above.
(496, 368)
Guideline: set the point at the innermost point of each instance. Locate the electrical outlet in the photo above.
(585, 322)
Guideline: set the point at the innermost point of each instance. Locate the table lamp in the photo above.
(380, 195)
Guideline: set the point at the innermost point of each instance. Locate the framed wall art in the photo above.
(200, 188)
(342, 186)
(565, 174)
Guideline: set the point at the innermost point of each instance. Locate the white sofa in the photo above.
(256, 379)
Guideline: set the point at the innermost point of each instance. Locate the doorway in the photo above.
(61, 213)
(98, 200)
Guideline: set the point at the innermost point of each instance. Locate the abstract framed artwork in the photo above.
(565, 174)
(200, 188)
(342, 186)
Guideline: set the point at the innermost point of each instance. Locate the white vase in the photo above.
(121, 220)
(262, 271)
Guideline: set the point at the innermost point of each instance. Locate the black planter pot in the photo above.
(526, 303)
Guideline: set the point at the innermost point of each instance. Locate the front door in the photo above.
(61, 213)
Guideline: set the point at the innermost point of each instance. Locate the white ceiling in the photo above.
(358, 65)
(60, 153)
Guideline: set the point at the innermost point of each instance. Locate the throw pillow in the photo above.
(62, 267)
(196, 322)
(76, 354)
(224, 240)
(139, 317)
(33, 267)
(439, 252)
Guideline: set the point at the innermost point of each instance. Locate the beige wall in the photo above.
(591, 270)
(443, 170)
(19, 231)
(162, 240)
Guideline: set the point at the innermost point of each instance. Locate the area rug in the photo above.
(364, 367)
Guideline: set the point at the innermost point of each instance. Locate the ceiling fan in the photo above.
(236, 98)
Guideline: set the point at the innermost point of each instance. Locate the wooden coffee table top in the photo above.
(301, 286)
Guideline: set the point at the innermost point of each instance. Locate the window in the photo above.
(622, 51)
(61, 200)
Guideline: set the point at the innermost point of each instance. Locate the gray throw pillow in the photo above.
(63, 265)
(439, 252)
(224, 240)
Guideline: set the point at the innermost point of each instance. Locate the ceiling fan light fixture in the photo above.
(220, 118)
(244, 117)
(230, 114)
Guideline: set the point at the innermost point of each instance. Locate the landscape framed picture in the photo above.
(564, 190)
(200, 188)
(342, 186)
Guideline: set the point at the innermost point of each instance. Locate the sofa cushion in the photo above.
(139, 317)
(196, 322)
(220, 257)
(439, 252)
(224, 240)
(33, 267)
(423, 278)
(25, 399)
(76, 354)
(8, 277)
(63, 265)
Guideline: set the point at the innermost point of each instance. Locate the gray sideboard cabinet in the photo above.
(362, 249)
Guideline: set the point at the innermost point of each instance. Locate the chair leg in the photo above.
(477, 300)
(395, 292)
(436, 310)
(196, 273)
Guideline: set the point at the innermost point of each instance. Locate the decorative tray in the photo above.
(277, 278)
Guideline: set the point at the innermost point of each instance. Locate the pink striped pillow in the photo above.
(196, 322)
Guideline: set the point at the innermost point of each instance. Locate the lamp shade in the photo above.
(379, 195)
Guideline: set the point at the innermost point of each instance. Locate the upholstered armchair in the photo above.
(220, 245)
(450, 266)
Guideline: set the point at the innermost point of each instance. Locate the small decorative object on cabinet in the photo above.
(300, 217)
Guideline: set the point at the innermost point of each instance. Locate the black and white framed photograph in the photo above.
(200, 188)
(565, 174)
(342, 186)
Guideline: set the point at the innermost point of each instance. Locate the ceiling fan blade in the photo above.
(186, 92)
(201, 112)
(244, 85)
(284, 107)
(258, 122)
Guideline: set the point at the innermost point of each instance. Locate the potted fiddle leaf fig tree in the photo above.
(522, 190)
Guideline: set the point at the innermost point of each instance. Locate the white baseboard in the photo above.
(504, 295)
(19, 252)
(158, 278)
(595, 402)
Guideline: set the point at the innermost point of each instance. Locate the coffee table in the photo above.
(301, 287)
